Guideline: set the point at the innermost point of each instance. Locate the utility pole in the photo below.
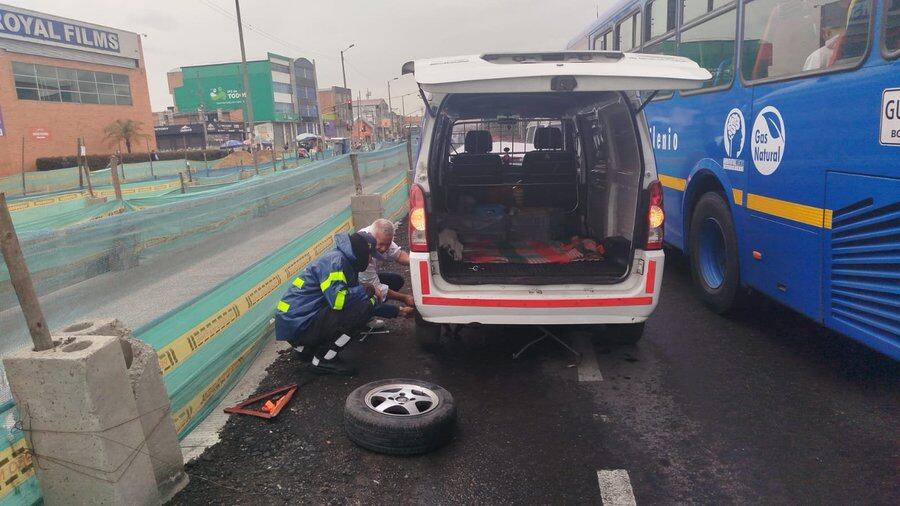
(319, 107)
(350, 102)
(248, 99)
(391, 104)
(205, 137)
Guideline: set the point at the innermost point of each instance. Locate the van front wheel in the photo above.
(714, 254)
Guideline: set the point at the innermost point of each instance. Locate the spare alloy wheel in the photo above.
(400, 416)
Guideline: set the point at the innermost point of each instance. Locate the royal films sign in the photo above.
(23, 24)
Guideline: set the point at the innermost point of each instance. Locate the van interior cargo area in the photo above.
(537, 188)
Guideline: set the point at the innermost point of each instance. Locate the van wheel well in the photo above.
(701, 184)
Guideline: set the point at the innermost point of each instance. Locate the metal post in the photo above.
(24, 189)
(354, 164)
(87, 176)
(78, 160)
(205, 138)
(183, 186)
(249, 99)
(114, 172)
(149, 154)
(21, 280)
(409, 158)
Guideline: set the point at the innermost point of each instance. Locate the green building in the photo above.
(283, 91)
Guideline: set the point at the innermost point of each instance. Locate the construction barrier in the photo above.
(64, 249)
(206, 344)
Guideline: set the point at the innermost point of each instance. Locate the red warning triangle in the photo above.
(271, 403)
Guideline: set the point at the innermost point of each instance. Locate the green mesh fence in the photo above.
(201, 353)
(68, 247)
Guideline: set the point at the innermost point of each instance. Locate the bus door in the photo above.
(799, 57)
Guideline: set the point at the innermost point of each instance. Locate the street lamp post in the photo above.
(390, 103)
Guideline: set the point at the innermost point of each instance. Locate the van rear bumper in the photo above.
(631, 301)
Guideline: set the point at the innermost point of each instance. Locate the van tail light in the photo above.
(418, 237)
(656, 217)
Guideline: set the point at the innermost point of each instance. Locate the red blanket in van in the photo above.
(527, 252)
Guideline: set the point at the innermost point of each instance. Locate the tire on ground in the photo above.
(399, 435)
(428, 334)
(725, 297)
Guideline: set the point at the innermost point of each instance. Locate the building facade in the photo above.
(61, 80)
(305, 99)
(282, 90)
(377, 114)
(334, 104)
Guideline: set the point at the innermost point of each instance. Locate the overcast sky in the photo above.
(387, 33)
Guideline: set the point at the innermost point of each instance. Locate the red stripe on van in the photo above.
(423, 275)
(620, 301)
(651, 276)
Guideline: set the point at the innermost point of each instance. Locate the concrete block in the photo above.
(152, 401)
(81, 422)
(365, 209)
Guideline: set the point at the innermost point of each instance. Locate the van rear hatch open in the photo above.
(536, 163)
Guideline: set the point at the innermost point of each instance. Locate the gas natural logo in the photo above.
(768, 140)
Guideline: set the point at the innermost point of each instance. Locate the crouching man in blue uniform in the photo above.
(327, 304)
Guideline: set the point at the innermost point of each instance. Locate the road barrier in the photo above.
(75, 246)
(206, 344)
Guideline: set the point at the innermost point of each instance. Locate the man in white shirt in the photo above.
(387, 284)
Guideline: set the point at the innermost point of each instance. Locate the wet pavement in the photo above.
(762, 407)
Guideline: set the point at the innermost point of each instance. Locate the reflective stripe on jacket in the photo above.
(328, 281)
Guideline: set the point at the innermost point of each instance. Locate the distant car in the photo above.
(572, 235)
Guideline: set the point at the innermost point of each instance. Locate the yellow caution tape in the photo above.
(16, 466)
(188, 343)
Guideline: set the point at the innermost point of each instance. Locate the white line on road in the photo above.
(588, 370)
(615, 488)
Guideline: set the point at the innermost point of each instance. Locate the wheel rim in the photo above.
(402, 399)
(712, 254)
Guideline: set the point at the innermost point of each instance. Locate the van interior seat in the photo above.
(477, 163)
(549, 159)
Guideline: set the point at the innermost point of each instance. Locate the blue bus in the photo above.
(782, 174)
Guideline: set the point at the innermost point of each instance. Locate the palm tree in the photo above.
(123, 130)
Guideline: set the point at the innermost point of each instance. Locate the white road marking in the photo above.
(588, 370)
(615, 488)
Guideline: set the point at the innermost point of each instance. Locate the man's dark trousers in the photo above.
(392, 280)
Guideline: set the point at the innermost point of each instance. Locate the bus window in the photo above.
(789, 37)
(661, 18)
(693, 9)
(665, 46)
(711, 45)
(627, 36)
(892, 26)
(601, 42)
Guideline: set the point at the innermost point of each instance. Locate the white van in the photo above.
(569, 232)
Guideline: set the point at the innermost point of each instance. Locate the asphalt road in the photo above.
(765, 407)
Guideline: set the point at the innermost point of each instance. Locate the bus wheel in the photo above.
(714, 255)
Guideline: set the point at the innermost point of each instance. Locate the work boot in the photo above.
(304, 353)
(334, 366)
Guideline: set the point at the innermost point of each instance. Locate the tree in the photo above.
(126, 131)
